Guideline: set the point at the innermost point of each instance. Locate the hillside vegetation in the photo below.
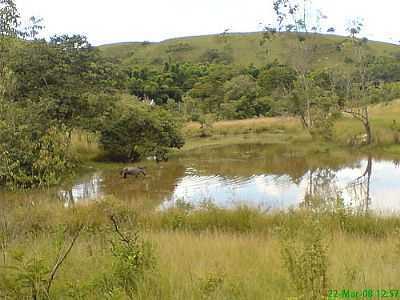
(239, 48)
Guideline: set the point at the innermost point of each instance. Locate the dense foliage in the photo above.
(133, 132)
(235, 92)
(31, 154)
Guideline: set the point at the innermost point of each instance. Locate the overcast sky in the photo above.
(156, 20)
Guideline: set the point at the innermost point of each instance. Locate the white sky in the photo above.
(155, 20)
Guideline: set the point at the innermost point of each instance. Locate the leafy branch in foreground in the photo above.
(32, 278)
(134, 260)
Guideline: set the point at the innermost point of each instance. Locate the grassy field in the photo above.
(384, 118)
(209, 253)
(244, 48)
(206, 254)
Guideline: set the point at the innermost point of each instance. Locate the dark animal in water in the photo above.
(133, 171)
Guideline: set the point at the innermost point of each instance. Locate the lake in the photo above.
(268, 177)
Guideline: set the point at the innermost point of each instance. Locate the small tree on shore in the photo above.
(298, 19)
(358, 83)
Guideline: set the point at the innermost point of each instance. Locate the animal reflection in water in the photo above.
(136, 171)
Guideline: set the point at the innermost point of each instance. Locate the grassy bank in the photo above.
(385, 123)
(384, 118)
(203, 254)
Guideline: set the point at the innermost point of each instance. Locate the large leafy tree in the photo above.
(46, 90)
(134, 131)
(276, 78)
(61, 77)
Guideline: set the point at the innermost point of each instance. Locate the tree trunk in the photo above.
(361, 114)
(367, 128)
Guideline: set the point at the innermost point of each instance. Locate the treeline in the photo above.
(234, 92)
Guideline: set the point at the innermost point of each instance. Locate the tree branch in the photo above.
(61, 260)
(121, 235)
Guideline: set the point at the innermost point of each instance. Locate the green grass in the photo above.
(283, 130)
(207, 254)
(289, 131)
(385, 124)
(245, 49)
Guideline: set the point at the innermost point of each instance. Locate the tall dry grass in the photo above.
(256, 125)
(85, 145)
(212, 254)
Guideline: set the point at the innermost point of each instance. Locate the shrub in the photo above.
(31, 155)
(206, 125)
(216, 56)
(305, 257)
(26, 279)
(134, 132)
(134, 260)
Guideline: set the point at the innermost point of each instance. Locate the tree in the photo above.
(277, 77)
(135, 131)
(31, 154)
(240, 86)
(34, 28)
(209, 89)
(323, 107)
(9, 22)
(356, 103)
(241, 100)
(9, 19)
(62, 77)
(298, 17)
(46, 90)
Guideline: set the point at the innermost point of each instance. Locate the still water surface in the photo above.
(269, 177)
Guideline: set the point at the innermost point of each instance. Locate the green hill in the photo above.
(240, 49)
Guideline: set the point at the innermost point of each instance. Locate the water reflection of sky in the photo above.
(280, 192)
(86, 190)
(265, 191)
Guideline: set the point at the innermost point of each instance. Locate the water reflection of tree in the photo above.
(88, 189)
(67, 197)
(359, 189)
(396, 163)
(322, 192)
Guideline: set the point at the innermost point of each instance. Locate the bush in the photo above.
(385, 92)
(136, 131)
(26, 280)
(305, 257)
(133, 262)
(216, 56)
(29, 154)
